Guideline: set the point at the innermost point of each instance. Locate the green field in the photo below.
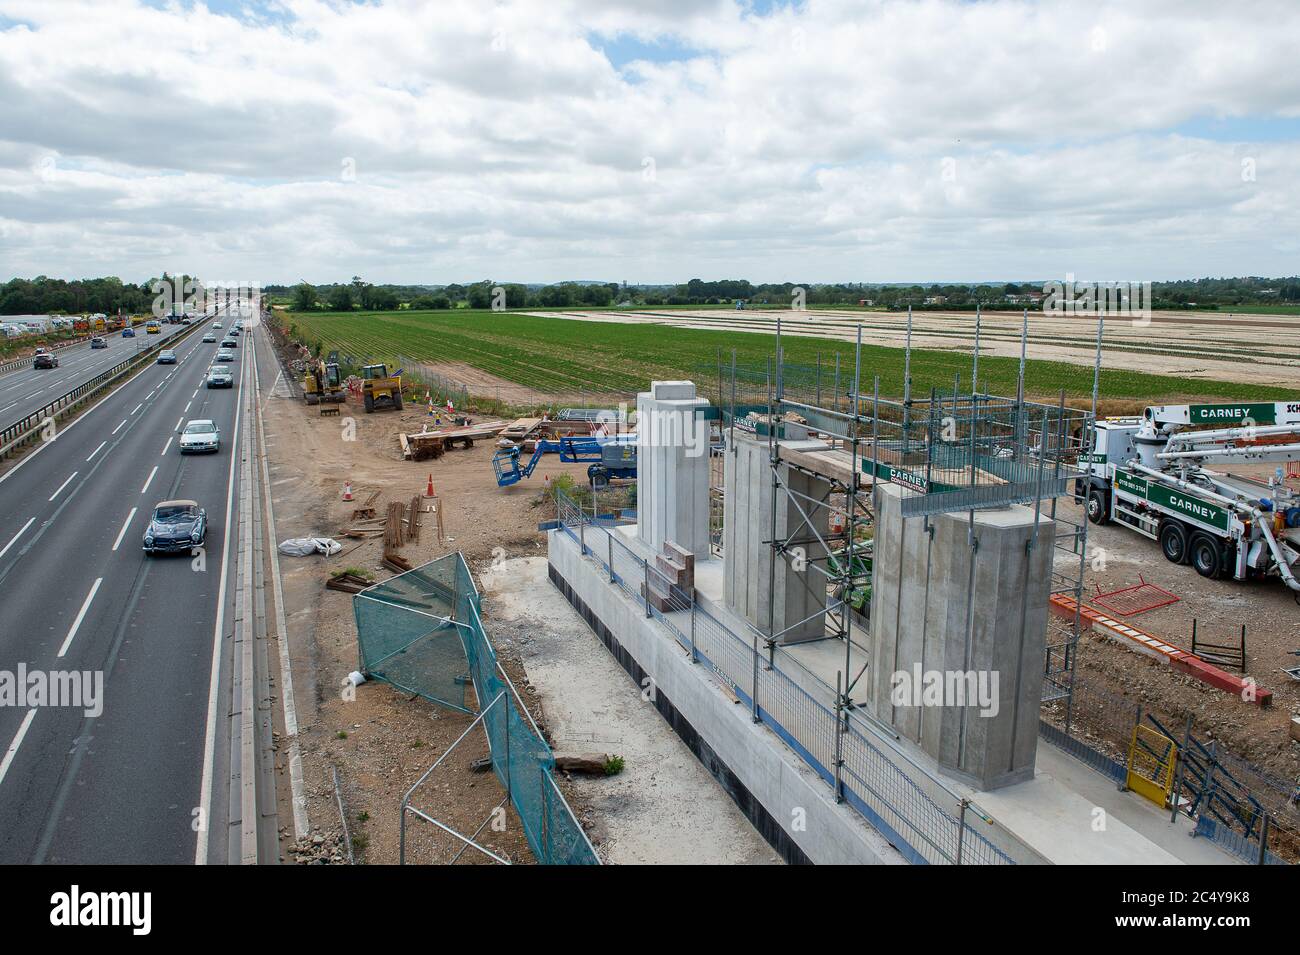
(563, 356)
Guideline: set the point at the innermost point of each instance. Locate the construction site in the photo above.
(837, 625)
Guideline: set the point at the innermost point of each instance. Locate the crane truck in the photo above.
(1150, 474)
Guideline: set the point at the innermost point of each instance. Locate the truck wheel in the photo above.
(1098, 512)
(1173, 541)
(370, 402)
(312, 399)
(397, 400)
(1206, 556)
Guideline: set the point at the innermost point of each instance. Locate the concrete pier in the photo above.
(672, 468)
(793, 603)
(957, 635)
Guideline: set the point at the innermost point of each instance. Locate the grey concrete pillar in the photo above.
(970, 622)
(800, 591)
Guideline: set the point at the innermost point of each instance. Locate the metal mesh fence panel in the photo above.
(422, 631)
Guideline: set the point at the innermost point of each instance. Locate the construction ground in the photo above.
(664, 806)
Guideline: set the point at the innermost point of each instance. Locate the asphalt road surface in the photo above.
(122, 786)
(30, 389)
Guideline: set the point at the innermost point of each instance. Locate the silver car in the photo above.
(201, 434)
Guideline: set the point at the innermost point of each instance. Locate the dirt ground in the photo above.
(1119, 558)
(382, 740)
(488, 385)
(664, 807)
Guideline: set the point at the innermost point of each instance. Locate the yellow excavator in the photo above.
(379, 389)
(323, 383)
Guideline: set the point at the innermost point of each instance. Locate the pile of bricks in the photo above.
(672, 579)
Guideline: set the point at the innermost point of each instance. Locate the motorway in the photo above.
(156, 777)
(30, 389)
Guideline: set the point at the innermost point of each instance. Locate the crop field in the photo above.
(554, 355)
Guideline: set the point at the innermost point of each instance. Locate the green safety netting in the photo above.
(421, 631)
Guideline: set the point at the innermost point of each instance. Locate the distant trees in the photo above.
(340, 298)
(304, 297)
(43, 295)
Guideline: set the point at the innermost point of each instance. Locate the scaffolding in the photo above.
(949, 449)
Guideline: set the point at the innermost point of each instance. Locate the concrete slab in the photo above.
(1075, 816)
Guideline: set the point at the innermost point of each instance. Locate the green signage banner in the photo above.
(1193, 507)
(909, 479)
(1175, 499)
(1234, 415)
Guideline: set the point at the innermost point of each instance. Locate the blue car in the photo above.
(176, 526)
(128, 332)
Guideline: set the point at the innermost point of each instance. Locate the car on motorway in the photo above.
(219, 377)
(128, 332)
(216, 324)
(153, 327)
(209, 338)
(167, 357)
(201, 434)
(230, 343)
(225, 354)
(45, 359)
(98, 342)
(178, 525)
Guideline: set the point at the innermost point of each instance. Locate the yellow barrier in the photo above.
(1151, 758)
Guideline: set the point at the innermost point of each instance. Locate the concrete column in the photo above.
(672, 482)
(942, 609)
(800, 590)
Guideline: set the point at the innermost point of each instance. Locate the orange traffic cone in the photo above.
(347, 491)
(428, 491)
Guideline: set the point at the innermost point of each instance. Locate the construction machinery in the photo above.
(1149, 474)
(610, 457)
(380, 389)
(323, 383)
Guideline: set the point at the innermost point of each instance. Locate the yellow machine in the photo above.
(379, 389)
(323, 383)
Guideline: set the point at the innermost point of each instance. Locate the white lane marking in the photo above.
(30, 520)
(18, 741)
(150, 395)
(179, 422)
(164, 450)
(7, 407)
(150, 479)
(118, 428)
(63, 485)
(97, 450)
(137, 407)
(125, 524)
(192, 397)
(76, 624)
(187, 407)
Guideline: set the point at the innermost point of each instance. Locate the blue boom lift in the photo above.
(610, 457)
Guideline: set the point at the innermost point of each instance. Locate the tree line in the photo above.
(44, 295)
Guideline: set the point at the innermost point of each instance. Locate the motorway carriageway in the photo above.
(31, 389)
(80, 594)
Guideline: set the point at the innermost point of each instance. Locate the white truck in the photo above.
(1149, 474)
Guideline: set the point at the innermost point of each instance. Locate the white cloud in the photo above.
(832, 140)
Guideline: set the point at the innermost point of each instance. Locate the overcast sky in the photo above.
(829, 140)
